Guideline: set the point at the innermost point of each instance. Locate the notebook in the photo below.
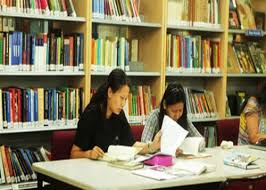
(258, 147)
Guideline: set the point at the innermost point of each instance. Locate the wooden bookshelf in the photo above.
(150, 34)
(43, 17)
(191, 28)
(25, 137)
(247, 82)
(215, 82)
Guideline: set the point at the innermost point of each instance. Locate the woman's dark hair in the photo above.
(116, 79)
(173, 94)
(260, 96)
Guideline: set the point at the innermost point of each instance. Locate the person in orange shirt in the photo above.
(252, 127)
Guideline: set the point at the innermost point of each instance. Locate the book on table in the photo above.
(240, 160)
(122, 157)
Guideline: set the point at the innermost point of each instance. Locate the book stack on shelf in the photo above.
(121, 39)
(43, 80)
(194, 13)
(245, 14)
(245, 54)
(40, 52)
(246, 61)
(39, 107)
(200, 104)
(233, 16)
(246, 57)
(192, 54)
(195, 47)
(116, 10)
(112, 49)
(15, 163)
(37, 7)
(140, 104)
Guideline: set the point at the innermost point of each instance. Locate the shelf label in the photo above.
(254, 33)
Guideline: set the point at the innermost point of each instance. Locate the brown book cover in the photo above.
(246, 15)
(5, 164)
(232, 63)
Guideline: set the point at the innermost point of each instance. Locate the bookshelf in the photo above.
(152, 38)
(246, 81)
(213, 81)
(36, 136)
(150, 35)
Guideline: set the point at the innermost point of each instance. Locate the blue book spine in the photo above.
(27, 162)
(32, 50)
(54, 105)
(8, 116)
(20, 47)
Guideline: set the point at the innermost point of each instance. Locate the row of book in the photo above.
(20, 51)
(200, 103)
(141, 102)
(16, 163)
(39, 7)
(117, 10)
(199, 13)
(113, 52)
(38, 107)
(187, 53)
(246, 57)
(241, 15)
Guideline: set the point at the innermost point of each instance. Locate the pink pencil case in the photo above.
(160, 159)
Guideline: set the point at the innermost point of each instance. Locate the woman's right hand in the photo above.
(178, 152)
(95, 153)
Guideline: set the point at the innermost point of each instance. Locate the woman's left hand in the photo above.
(156, 143)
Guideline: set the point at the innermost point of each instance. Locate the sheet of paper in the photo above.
(172, 136)
(157, 173)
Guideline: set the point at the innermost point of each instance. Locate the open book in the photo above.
(240, 160)
(120, 152)
(122, 157)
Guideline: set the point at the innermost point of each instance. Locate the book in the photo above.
(240, 160)
(193, 167)
(129, 165)
(232, 61)
(246, 15)
(120, 153)
(260, 145)
(255, 52)
(155, 172)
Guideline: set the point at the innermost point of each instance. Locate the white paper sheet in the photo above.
(172, 136)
